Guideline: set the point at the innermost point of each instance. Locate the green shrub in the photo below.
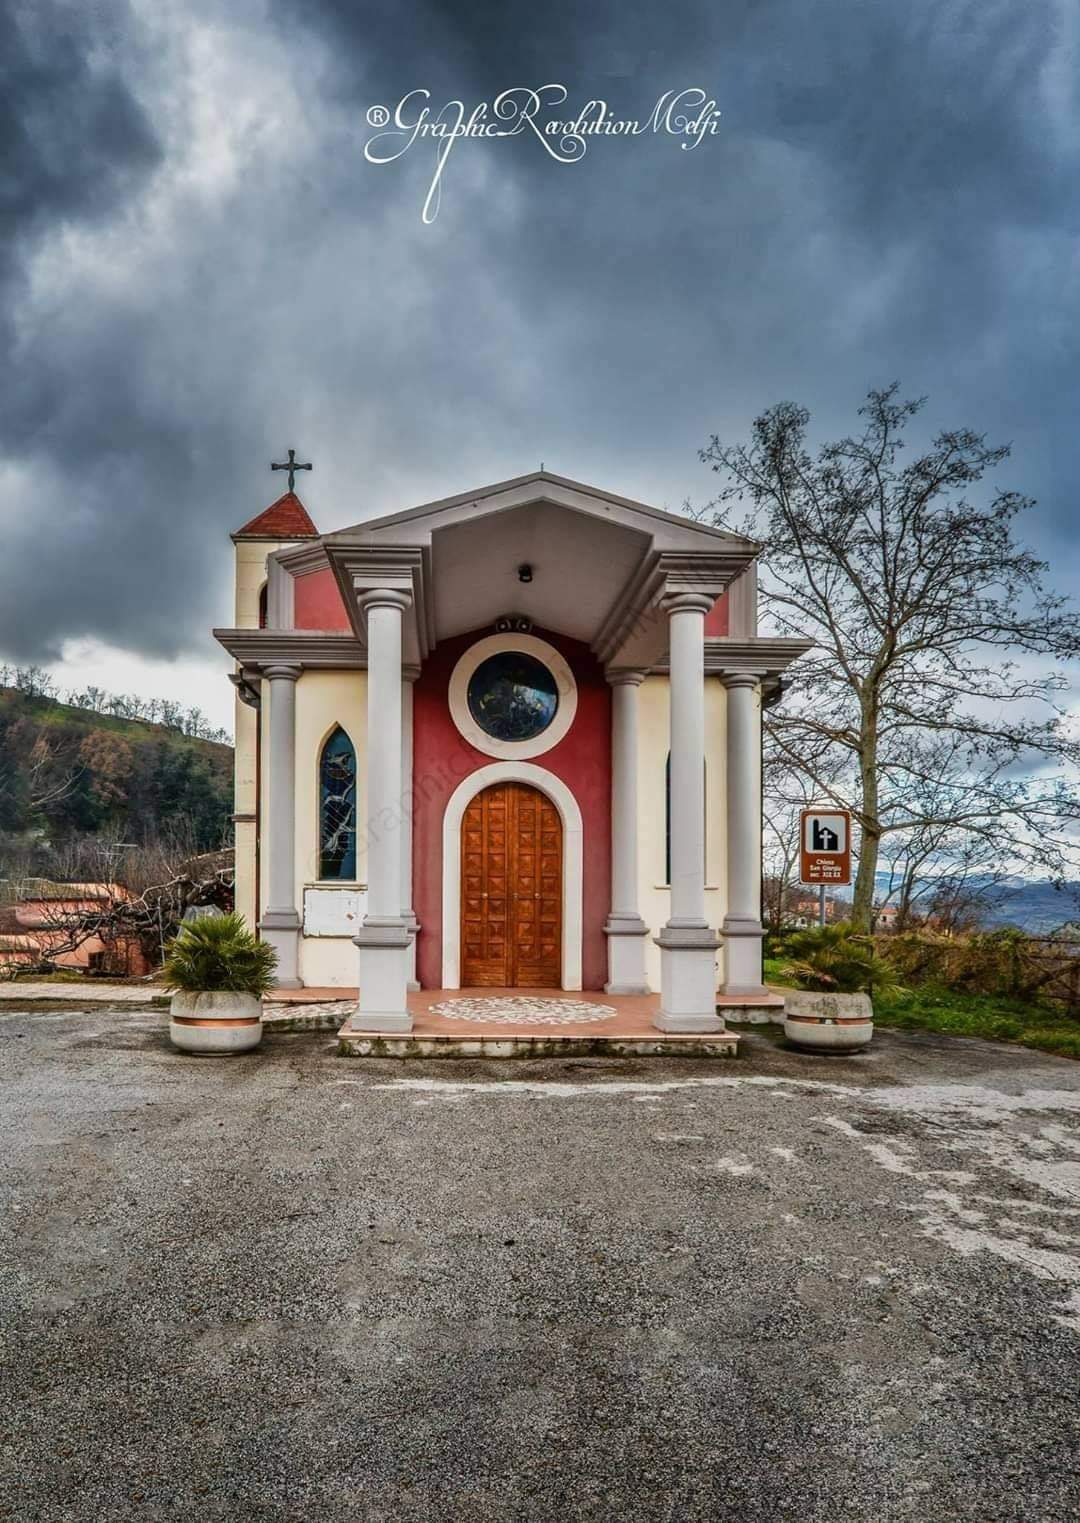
(219, 953)
(918, 957)
(774, 944)
(996, 962)
(836, 959)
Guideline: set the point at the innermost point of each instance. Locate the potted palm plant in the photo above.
(835, 967)
(218, 973)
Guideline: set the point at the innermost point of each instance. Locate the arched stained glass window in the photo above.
(337, 807)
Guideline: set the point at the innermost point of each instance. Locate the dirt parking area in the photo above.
(298, 1286)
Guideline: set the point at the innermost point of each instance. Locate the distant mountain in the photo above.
(1036, 905)
(1032, 904)
(67, 771)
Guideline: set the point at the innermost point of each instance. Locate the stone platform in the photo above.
(506, 1023)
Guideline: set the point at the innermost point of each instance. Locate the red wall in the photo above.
(317, 602)
(441, 758)
(317, 605)
(716, 620)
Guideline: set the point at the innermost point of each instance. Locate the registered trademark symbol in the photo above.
(377, 116)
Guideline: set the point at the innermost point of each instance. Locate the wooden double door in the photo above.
(511, 890)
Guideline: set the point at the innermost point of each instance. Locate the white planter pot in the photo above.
(215, 1024)
(828, 1022)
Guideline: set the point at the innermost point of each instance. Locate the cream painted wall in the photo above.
(653, 731)
(251, 557)
(323, 700)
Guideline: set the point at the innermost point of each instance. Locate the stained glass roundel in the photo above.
(512, 696)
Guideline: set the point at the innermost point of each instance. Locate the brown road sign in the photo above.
(825, 845)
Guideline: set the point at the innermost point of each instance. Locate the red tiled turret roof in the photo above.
(285, 519)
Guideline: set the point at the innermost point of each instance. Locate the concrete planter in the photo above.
(828, 1022)
(215, 1024)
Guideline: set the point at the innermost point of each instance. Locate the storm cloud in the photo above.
(199, 268)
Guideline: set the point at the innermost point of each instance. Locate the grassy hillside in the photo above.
(67, 771)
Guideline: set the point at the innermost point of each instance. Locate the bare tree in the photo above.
(35, 682)
(785, 792)
(47, 780)
(925, 611)
(120, 893)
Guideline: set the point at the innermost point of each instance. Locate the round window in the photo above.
(512, 696)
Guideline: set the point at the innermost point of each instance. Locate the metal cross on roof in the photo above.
(292, 465)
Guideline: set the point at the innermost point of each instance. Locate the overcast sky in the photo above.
(198, 268)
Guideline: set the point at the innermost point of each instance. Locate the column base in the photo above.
(742, 936)
(414, 927)
(687, 978)
(383, 944)
(280, 929)
(626, 954)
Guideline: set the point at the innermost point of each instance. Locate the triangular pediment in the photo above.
(669, 531)
(563, 555)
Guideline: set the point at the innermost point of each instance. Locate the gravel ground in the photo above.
(296, 1286)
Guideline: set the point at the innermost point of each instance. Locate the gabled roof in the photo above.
(285, 519)
(539, 486)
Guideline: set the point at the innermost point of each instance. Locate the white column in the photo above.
(625, 929)
(383, 939)
(687, 945)
(742, 930)
(280, 923)
(409, 675)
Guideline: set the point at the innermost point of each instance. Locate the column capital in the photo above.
(741, 679)
(280, 672)
(686, 602)
(625, 676)
(409, 671)
(385, 597)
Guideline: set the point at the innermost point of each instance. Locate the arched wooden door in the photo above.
(511, 890)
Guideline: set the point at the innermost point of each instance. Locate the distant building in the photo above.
(46, 918)
(885, 917)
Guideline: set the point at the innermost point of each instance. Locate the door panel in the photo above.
(511, 890)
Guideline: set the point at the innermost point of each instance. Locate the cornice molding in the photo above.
(760, 658)
(729, 655)
(299, 560)
(256, 649)
(247, 689)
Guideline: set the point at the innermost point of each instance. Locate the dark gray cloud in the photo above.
(203, 269)
(73, 138)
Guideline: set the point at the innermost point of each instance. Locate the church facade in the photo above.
(507, 740)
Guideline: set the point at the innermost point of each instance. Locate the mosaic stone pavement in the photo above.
(325, 1015)
(523, 1010)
